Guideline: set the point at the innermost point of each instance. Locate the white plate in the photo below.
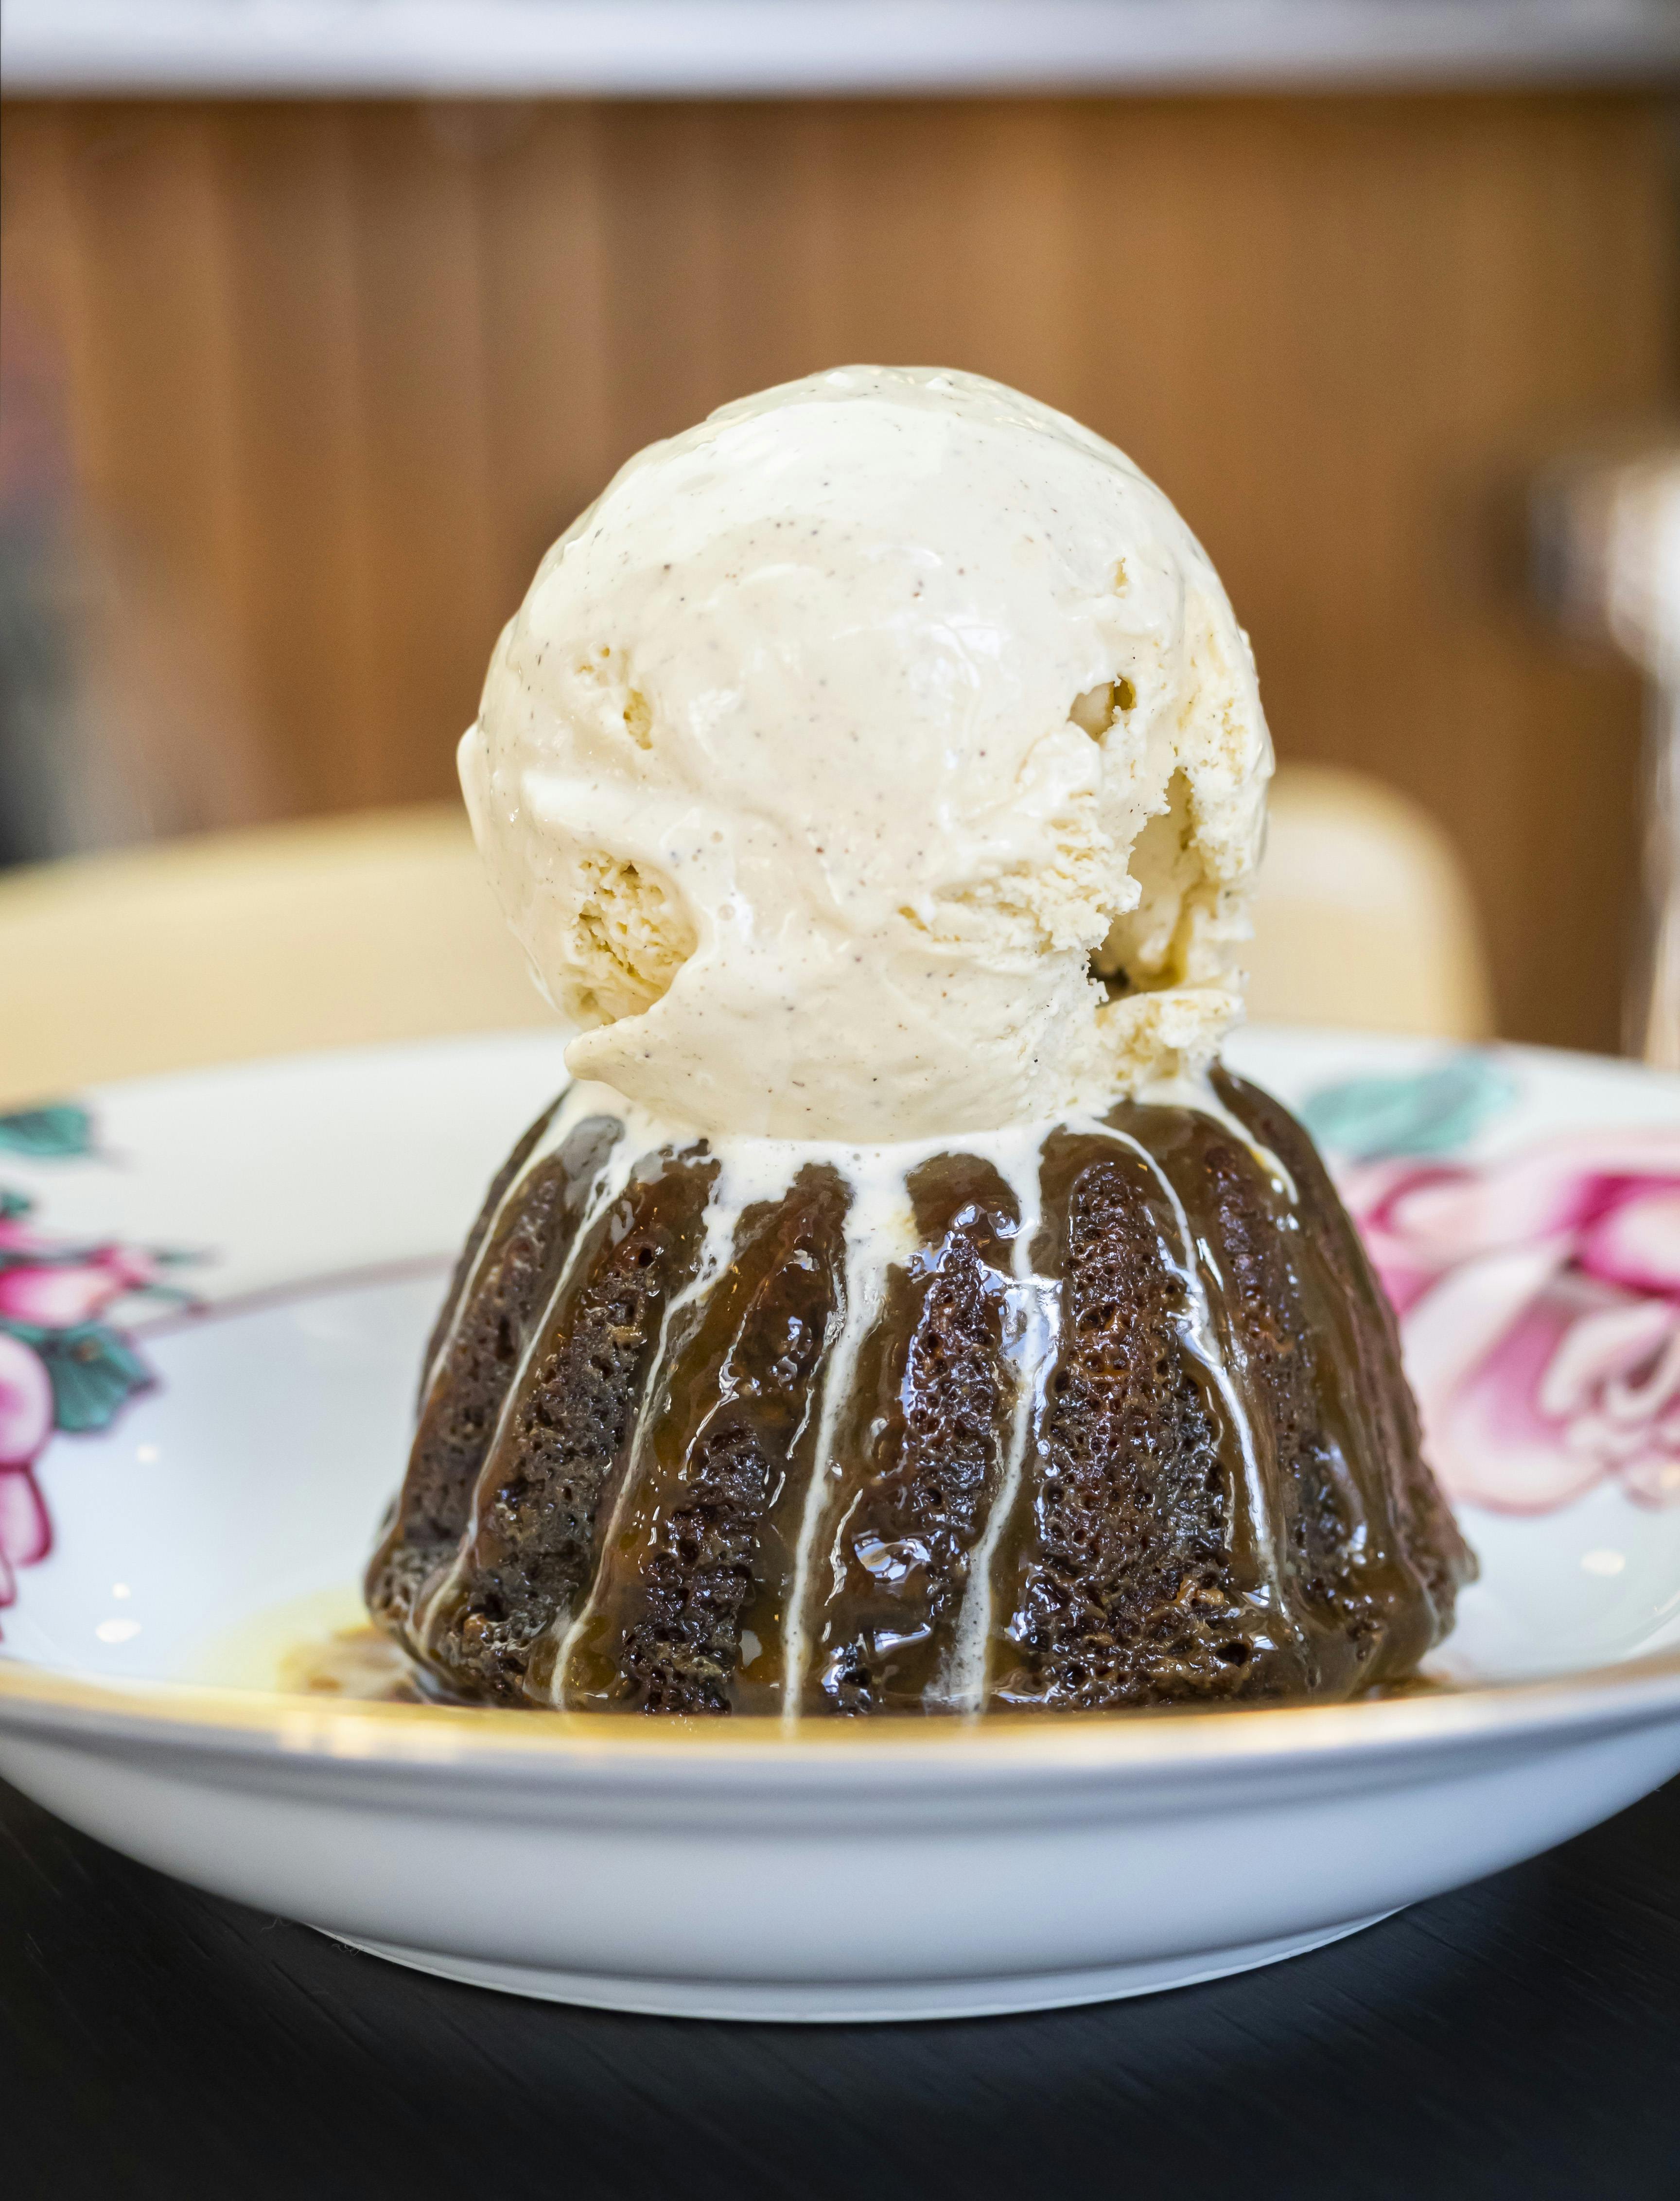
(1526, 1207)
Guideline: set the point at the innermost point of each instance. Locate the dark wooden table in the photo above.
(1519, 2038)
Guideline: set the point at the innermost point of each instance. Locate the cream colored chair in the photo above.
(217, 949)
(1363, 915)
(381, 928)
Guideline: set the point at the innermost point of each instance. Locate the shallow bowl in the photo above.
(203, 1506)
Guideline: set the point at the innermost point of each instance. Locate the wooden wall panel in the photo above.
(310, 629)
(546, 355)
(342, 372)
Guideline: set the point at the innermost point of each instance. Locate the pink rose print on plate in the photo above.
(1539, 1301)
(52, 1287)
(26, 1423)
(64, 1366)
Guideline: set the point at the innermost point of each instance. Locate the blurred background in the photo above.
(321, 321)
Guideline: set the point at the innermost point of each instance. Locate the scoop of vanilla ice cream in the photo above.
(879, 759)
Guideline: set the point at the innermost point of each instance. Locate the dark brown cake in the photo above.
(1153, 1446)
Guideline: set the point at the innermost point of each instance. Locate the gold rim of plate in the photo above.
(317, 1726)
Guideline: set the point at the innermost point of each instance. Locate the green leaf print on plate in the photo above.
(1432, 1112)
(93, 1371)
(61, 1131)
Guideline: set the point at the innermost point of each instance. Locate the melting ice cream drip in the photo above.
(579, 1104)
(1032, 1302)
(880, 1200)
(722, 1213)
(1200, 1339)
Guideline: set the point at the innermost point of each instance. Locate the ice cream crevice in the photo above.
(1151, 942)
(630, 937)
(1097, 709)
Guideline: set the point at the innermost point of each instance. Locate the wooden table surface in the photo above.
(1520, 2038)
